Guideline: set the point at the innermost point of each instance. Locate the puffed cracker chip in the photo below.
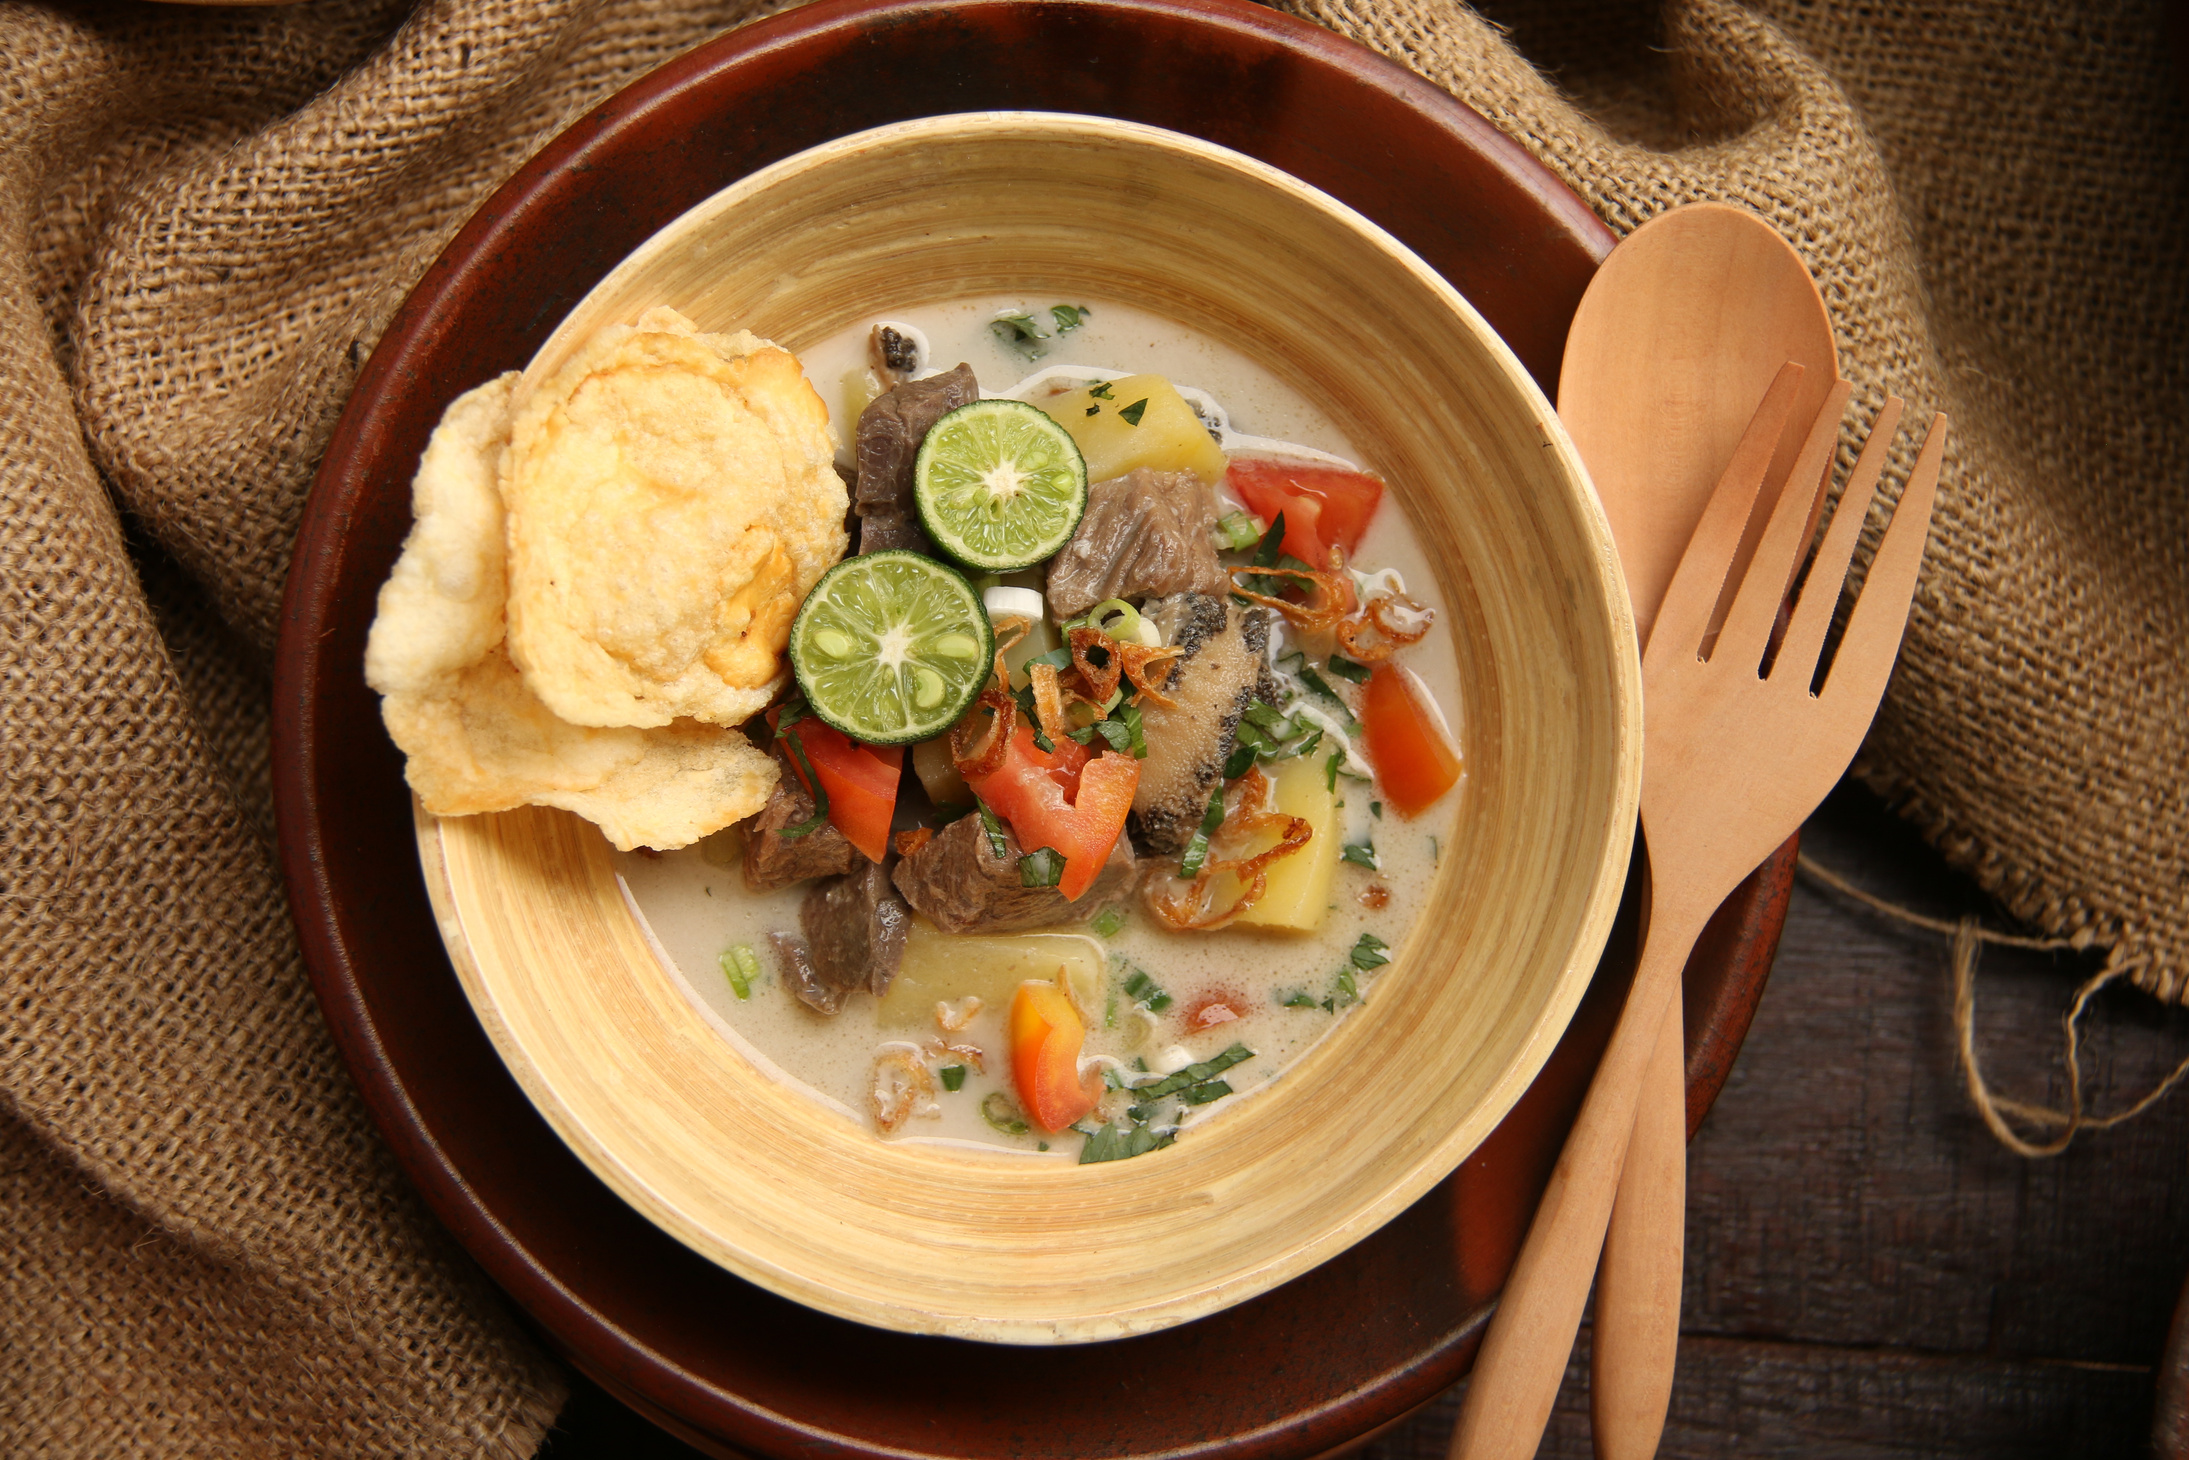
(476, 739)
(672, 498)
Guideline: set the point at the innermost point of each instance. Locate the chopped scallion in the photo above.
(1345, 668)
(1197, 850)
(999, 1112)
(1146, 992)
(1237, 531)
(741, 966)
(1041, 867)
(1107, 922)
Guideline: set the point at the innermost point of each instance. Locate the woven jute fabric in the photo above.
(206, 218)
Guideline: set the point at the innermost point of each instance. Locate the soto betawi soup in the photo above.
(1112, 745)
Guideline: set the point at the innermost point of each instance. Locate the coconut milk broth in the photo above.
(694, 901)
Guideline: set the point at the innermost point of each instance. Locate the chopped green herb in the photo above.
(1121, 1141)
(1069, 317)
(1370, 952)
(1100, 392)
(1375, 809)
(994, 825)
(1238, 531)
(1041, 1145)
(1360, 854)
(1131, 414)
(1041, 867)
(1197, 850)
(1021, 333)
(1203, 1093)
(953, 1077)
(1113, 1079)
(1272, 544)
(1242, 757)
(1140, 1063)
(741, 966)
(1330, 770)
(1345, 668)
(1191, 1075)
(1343, 991)
(792, 714)
(1094, 410)
(1108, 921)
(1146, 992)
(999, 1112)
(1297, 999)
(1320, 687)
(1129, 717)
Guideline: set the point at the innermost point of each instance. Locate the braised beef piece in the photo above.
(794, 956)
(959, 883)
(889, 435)
(1146, 532)
(856, 925)
(1221, 668)
(773, 860)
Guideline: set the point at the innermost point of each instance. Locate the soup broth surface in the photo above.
(1276, 993)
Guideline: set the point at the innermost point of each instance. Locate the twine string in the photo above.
(1969, 938)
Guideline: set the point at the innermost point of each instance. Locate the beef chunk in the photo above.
(772, 860)
(1222, 667)
(1146, 532)
(888, 438)
(794, 956)
(856, 924)
(962, 886)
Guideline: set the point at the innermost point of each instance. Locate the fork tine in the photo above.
(1813, 612)
(1693, 592)
(1866, 653)
(1756, 606)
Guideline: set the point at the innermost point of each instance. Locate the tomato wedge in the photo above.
(1323, 506)
(1046, 1035)
(1414, 758)
(1063, 799)
(861, 781)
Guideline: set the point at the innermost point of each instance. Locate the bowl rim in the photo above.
(351, 917)
(562, 1090)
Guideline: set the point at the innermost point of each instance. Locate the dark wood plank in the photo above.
(1868, 1271)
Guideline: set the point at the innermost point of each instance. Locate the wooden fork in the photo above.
(1735, 757)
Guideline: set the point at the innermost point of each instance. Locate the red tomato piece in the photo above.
(1081, 821)
(1414, 758)
(861, 781)
(1324, 507)
(1046, 1035)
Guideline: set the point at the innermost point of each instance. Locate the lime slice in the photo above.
(891, 647)
(999, 485)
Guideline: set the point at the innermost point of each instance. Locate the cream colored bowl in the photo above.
(933, 1239)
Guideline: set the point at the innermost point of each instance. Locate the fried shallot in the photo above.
(1331, 600)
(1249, 817)
(1394, 619)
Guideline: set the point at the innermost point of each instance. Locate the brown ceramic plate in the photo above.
(1299, 1370)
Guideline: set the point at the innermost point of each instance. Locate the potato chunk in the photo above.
(1162, 434)
(939, 966)
(1298, 896)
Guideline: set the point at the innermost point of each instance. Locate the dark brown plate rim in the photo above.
(522, 1204)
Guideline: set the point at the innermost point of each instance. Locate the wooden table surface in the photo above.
(1869, 1273)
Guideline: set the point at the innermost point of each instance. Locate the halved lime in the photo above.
(891, 647)
(999, 485)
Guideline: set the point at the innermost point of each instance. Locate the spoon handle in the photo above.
(1523, 1356)
(1637, 1323)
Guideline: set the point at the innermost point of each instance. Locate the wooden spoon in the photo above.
(1679, 335)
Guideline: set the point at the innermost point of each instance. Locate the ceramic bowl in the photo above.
(929, 1239)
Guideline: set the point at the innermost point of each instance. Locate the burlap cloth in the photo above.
(208, 217)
